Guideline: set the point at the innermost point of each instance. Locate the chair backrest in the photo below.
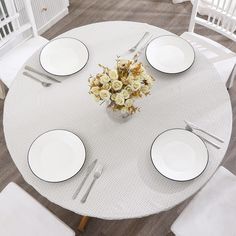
(221, 16)
(10, 25)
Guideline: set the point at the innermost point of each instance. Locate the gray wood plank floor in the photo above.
(161, 13)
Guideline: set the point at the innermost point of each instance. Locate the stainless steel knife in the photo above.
(31, 69)
(89, 170)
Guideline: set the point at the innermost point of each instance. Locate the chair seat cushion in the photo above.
(12, 62)
(222, 58)
(213, 210)
(20, 214)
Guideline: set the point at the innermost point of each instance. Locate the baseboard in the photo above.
(53, 21)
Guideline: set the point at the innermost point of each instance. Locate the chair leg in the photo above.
(83, 222)
(2, 90)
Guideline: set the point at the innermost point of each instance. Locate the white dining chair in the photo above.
(179, 1)
(22, 215)
(222, 19)
(203, 8)
(18, 40)
(212, 212)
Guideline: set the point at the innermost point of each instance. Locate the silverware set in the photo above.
(39, 74)
(97, 174)
(189, 126)
(46, 80)
(192, 127)
(135, 47)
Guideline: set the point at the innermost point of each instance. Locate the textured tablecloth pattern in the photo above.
(129, 186)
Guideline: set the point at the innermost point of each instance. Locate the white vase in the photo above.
(117, 115)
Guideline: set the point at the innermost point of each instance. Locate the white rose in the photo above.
(104, 94)
(116, 85)
(95, 90)
(96, 98)
(113, 97)
(104, 79)
(125, 93)
(96, 82)
(113, 74)
(129, 102)
(119, 100)
(145, 89)
(106, 86)
(128, 89)
(148, 78)
(136, 85)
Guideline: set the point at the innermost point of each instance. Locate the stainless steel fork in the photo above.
(134, 48)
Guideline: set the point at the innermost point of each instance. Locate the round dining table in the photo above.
(129, 186)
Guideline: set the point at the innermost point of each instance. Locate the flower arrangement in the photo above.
(121, 86)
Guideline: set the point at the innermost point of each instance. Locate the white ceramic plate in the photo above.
(179, 155)
(170, 54)
(56, 156)
(64, 56)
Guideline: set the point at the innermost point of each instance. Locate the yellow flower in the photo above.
(96, 98)
(113, 97)
(104, 94)
(129, 89)
(95, 90)
(113, 74)
(116, 85)
(136, 85)
(145, 89)
(104, 79)
(106, 86)
(125, 93)
(96, 82)
(148, 78)
(119, 100)
(129, 102)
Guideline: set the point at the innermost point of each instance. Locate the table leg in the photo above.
(83, 222)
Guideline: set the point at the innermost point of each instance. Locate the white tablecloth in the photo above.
(130, 186)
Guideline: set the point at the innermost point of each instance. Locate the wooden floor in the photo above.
(164, 14)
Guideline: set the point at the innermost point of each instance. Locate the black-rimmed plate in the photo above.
(170, 54)
(179, 155)
(56, 156)
(64, 56)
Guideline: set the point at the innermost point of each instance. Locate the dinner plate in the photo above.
(64, 56)
(56, 155)
(179, 154)
(170, 54)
